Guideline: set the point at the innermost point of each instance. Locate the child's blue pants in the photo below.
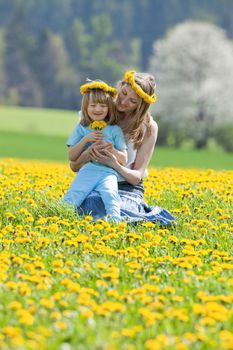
(99, 180)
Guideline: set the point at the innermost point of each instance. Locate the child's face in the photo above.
(97, 111)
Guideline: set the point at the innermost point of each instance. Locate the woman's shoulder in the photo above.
(153, 123)
(151, 128)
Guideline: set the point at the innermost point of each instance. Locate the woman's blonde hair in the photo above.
(139, 118)
(98, 96)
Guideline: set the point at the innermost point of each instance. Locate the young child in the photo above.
(97, 114)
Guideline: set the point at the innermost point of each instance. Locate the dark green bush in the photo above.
(170, 135)
(224, 137)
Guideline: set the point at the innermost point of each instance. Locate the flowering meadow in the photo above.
(70, 283)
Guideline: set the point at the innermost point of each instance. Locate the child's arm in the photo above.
(81, 160)
(75, 151)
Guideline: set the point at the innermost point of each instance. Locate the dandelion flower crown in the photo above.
(129, 78)
(97, 84)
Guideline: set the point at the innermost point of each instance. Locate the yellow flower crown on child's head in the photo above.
(98, 85)
(129, 78)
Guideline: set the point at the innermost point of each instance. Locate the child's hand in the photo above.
(94, 137)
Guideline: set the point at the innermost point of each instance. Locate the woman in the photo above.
(135, 94)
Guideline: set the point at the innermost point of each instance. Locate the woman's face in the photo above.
(127, 100)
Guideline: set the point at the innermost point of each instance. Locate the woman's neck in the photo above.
(122, 115)
(122, 120)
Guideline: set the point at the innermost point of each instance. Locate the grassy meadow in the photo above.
(68, 283)
(32, 133)
(52, 122)
(71, 283)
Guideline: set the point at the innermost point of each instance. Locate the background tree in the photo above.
(55, 75)
(95, 53)
(2, 74)
(194, 70)
(98, 37)
(21, 84)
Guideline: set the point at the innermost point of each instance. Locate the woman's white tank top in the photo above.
(132, 153)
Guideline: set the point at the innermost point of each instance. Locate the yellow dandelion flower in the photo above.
(15, 305)
(49, 304)
(60, 325)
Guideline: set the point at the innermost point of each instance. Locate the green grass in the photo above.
(209, 159)
(34, 133)
(37, 120)
(33, 146)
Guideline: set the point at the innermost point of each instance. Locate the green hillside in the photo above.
(37, 120)
(32, 133)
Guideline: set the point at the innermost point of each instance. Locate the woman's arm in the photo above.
(144, 154)
(99, 146)
(121, 156)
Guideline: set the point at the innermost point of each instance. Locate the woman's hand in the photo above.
(102, 145)
(104, 157)
(85, 155)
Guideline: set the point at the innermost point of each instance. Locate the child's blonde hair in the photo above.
(98, 96)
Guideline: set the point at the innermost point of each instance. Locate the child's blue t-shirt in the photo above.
(112, 133)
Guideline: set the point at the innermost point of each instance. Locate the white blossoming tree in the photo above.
(193, 66)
